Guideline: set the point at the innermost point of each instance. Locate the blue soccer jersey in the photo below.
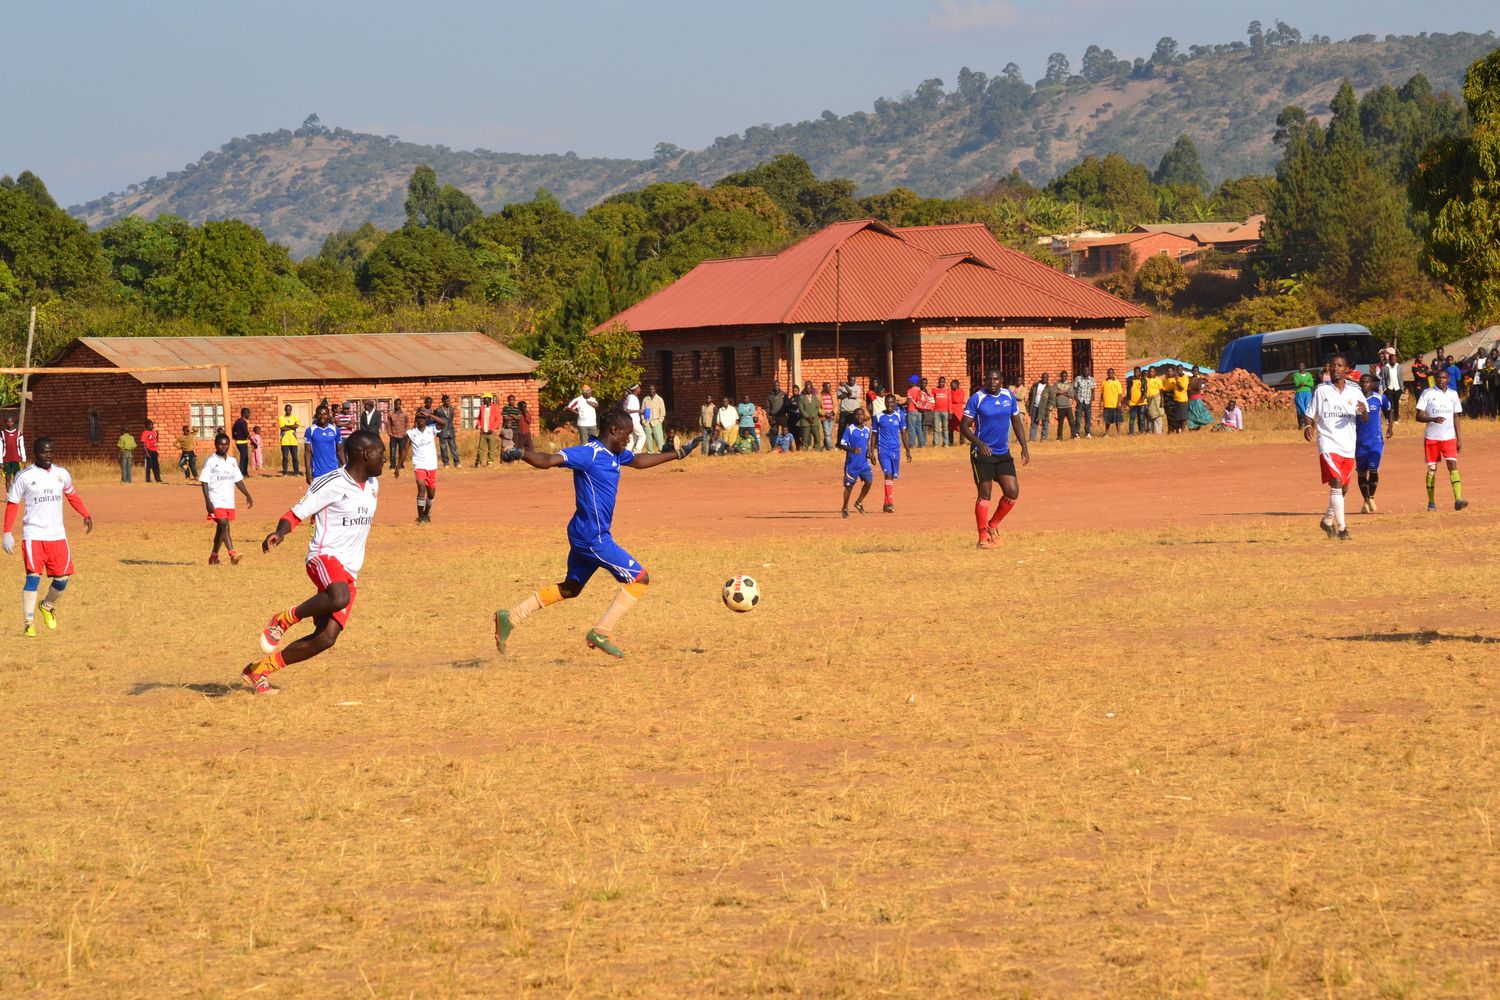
(324, 442)
(890, 427)
(991, 416)
(596, 481)
(1371, 428)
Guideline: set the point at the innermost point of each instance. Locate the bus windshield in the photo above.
(1357, 348)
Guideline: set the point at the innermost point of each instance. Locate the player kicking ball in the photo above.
(42, 488)
(890, 439)
(1438, 411)
(990, 416)
(1333, 415)
(596, 481)
(220, 477)
(342, 507)
(855, 444)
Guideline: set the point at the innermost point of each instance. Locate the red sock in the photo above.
(982, 517)
(890, 492)
(1001, 509)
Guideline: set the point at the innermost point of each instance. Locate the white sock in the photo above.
(28, 604)
(1336, 501)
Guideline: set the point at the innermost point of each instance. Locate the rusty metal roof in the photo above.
(864, 271)
(328, 358)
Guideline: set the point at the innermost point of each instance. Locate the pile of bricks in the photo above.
(1247, 389)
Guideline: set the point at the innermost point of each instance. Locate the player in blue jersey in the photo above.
(596, 480)
(855, 444)
(325, 447)
(890, 439)
(1369, 445)
(990, 416)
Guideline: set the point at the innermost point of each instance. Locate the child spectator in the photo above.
(126, 444)
(1233, 419)
(256, 460)
(187, 460)
(150, 442)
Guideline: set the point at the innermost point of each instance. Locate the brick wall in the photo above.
(60, 403)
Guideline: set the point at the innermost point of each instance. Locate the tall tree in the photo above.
(1180, 166)
(1113, 184)
(226, 278)
(47, 251)
(444, 207)
(809, 203)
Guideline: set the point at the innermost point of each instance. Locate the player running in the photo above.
(424, 460)
(1370, 445)
(855, 444)
(890, 439)
(990, 416)
(1438, 410)
(219, 478)
(43, 487)
(591, 547)
(325, 447)
(1333, 413)
(342, 506)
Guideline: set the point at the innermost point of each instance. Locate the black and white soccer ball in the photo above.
(741, 593)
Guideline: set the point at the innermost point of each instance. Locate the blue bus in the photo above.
(1276, 356)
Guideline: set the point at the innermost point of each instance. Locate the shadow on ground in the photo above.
(208, 690)
(1422, 638)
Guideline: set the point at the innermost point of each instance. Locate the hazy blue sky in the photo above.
(99, 94)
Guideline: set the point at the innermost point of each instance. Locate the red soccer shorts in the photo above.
(1439, 450)
(326, 571)
(50, 558)
(1336, 467)
(223, 514)
(427, 477)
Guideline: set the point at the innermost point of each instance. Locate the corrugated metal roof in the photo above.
(330, 358)
(1210, 232)
(868, 272)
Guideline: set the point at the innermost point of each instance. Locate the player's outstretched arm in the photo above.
(542, 459)
(676, 455)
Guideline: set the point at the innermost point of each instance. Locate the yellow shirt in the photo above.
(1154, 386)
(1179, 389)
(1110, 393)
(288, 430)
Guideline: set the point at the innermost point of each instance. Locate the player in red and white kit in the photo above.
(42, 487)
(341, 505)
(1333, 414)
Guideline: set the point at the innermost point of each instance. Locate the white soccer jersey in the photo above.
(1443, 403)
(423, 448)
(1337, 413)
(220, 475)
(43, 491)
(341, 512)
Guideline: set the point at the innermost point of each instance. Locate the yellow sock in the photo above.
(269, 665)
(550, 594)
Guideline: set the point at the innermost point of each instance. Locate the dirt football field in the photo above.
(1167, 740)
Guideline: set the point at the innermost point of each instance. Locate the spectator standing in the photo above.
(1198, 414)
(729, 423)
(1111, 395)
(826, 410)
(775, 405)
(343, 421)
(524, 427)
(1180, 384)
(240, 433)
(487, 421)
(1156, 409)
(1135, 395)
(1455, 377)
(957, 400)
(708, 423)
(919, 412)
(811, 418)
(287, 427)
(632, 407)
(397, 423)
(126, 444)
(150, 456)
(257, 457)
(371, 419)
(510, 423)
(1390, 383)
(1040, 405)
(1302, 385)
(654, 412)
(12, 450)
(447, 437)
(942, 406)
(848, 403)
(187, 458)
(1062, 400)
(746, 413)
(585, 408)
(1083, 397)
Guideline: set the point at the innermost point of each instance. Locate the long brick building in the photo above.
(265, 374)
(947, 301)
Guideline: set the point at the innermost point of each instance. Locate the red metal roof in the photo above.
(866, 272)
(325, 358)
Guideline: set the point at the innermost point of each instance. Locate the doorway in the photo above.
(727, 383)
(302, 409)
(1005, 355)
(664, 382)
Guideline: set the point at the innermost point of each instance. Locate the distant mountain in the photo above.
(300, 185)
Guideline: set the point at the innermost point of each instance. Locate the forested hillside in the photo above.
(944, 138)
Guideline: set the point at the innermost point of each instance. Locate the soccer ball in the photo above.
(741, 593)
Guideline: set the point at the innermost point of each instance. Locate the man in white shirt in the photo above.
(342, 507)
(42, 488)
(220, 477)
(586, 408)
(729, 423)
(633, 411)
(1390, 383)
(424, 461)
(1438, 410)
(1333, 414)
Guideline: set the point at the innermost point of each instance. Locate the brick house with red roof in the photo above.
(879, 303)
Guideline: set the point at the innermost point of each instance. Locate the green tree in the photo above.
(10, 288)
(1241, 197)
(143, 256)
(1458, 187)
(609, 361)
(808, 202)
(416, 265)
(552, 246)
(226, 278)
(1161, 277)
(1113, 184)
(47, 251)
(1181, 167)
(444, 208)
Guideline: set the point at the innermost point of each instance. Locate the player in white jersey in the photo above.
(424, 460)
(1438, 410)
(341, 505)
(1333, 415)
(42, 488)
(220, 477)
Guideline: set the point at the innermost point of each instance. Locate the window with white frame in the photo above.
(205, 418)
(468, 410)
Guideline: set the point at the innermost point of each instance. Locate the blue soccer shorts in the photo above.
(891, 464)
(603, 553)
(850, 475)
(1366, 459)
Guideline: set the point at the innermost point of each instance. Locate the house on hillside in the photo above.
(879, 303)
(265, 374)
(1229, 237)
(1089, 258)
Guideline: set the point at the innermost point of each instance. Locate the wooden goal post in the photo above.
(223, 371)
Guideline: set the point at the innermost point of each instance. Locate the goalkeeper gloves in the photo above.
(10, 544)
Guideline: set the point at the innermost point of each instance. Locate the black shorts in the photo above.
(989, 468)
